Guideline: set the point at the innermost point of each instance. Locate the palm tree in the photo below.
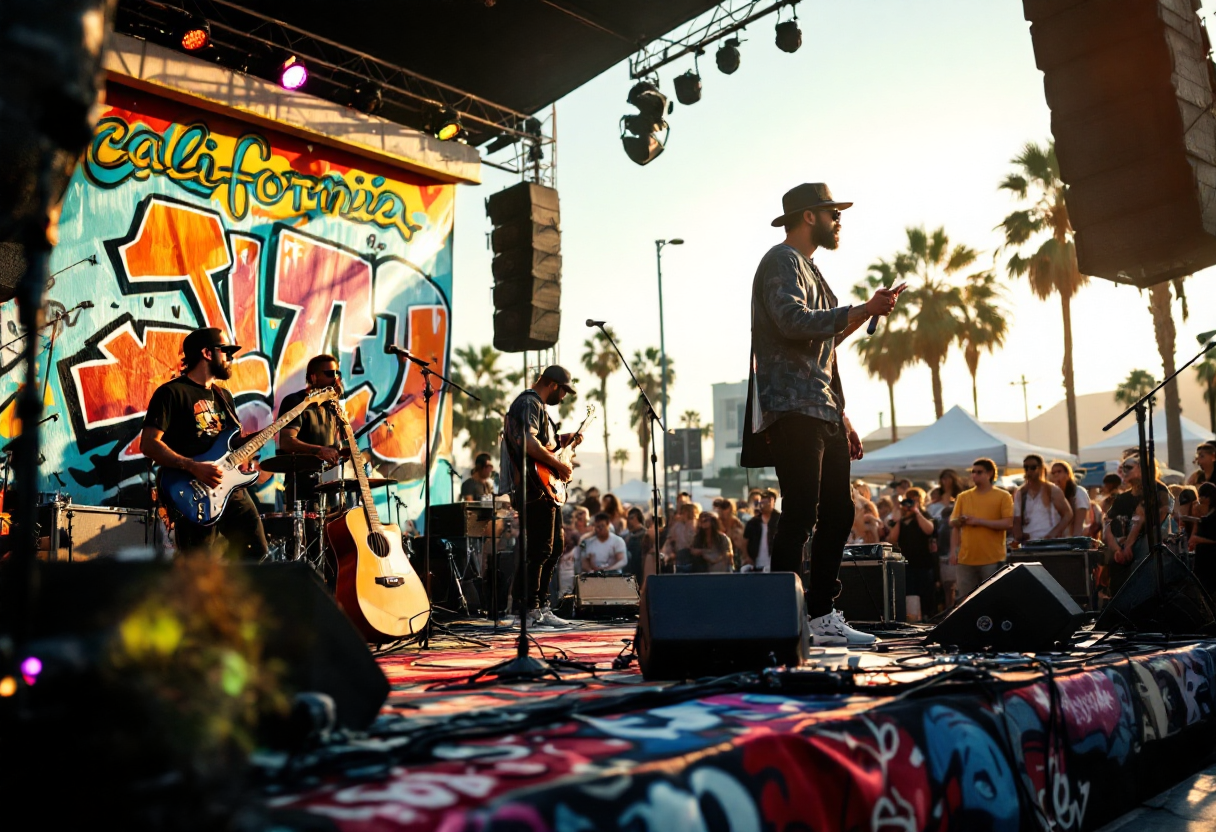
(646, 365)
(479, 370)
(1134, 387)
(983, 324)
(620, 456)
(1160, 306)
(1052, 267)
(937, 302)
(601, 361)
(886, 353)
(1206, 371)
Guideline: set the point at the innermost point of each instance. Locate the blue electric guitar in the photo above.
(204, 505)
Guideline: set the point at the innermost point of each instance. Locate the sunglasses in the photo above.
(1130, 467)
(1031, 467)
(833, 213)
(330, 373)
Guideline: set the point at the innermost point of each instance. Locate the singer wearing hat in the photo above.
(795, 419)
(185, 415)
(528, 422)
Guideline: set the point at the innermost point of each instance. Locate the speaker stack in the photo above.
(1130, 91)
(527, 267)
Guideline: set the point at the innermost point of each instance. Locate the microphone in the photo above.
(870, 330)
(86, 304)
(54, 417)
(59, 479)
(393, 349)
(595, 323)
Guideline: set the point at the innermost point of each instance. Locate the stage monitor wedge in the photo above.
(1129, 85)
(527, 267)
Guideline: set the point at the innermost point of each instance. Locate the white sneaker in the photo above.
(548, 619)
(536, 618)
(831, 629)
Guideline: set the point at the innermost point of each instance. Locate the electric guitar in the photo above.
(202, 505)
(545, 478)
(376, 586)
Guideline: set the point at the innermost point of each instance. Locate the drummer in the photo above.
(315, 431)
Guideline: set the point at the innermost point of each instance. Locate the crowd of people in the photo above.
(953, 533)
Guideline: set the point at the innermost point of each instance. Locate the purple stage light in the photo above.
(293, 74)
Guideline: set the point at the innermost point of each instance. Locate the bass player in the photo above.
(184, 417)
(528, 418)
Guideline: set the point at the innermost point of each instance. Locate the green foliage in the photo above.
(647, 366)
(480, 370)
(601, 360)
(1134, 387)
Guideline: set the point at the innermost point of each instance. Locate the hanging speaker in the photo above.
(1021, 609)
(1128, 84)
(527, 267)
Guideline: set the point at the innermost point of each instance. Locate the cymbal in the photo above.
(291, 464)
(352, 485)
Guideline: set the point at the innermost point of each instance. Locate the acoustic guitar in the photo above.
(376, 586)
(546, 479)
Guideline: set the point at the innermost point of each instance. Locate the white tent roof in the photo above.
(953, 441)
(635, 491)
(1129, 437)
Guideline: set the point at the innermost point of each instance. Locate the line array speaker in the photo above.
(1129, 85)
(527, 267)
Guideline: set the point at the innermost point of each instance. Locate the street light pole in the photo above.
(1025, 403)
(658, 257)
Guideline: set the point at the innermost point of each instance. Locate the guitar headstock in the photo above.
(322, 394)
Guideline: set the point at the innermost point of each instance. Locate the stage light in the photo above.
(367, 98)
(688, 87)
(638, 130)
(727, 57)
(30, 668)
(789, 36)
(292, 74)
(444, 124)
(8, 686)
(196, 35)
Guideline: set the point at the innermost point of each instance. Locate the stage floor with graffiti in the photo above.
(891, 738)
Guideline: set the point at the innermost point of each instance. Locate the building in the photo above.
(730, 398)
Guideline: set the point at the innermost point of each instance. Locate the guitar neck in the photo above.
(254, 443)
(365, 490)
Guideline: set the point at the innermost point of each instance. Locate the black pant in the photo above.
(545, 540)
(813, 470)
(239, 524)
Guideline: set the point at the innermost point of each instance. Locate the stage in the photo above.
(888, 738)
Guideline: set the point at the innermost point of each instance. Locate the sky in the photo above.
(911, 110)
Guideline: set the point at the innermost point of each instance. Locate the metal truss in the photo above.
(723, 20)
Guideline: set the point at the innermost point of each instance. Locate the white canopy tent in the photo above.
(953, 441)
(1112, 446)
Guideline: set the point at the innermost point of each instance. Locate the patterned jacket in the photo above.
(795, 321)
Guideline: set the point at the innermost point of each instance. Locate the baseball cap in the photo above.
(560, 376)
(206, 338)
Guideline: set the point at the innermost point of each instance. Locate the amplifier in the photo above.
(861, 551)
(84, 532)
(464, 520)
(873, 590)
(605, 596)
(1072, 569)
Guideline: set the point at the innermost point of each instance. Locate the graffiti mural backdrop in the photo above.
(294, 249)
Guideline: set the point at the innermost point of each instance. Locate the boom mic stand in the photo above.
(427, 393)
(651, 419)
(1143, 408)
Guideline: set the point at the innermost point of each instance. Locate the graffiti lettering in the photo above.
(189, 156)
(118, 386)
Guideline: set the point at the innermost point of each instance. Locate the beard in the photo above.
(824, 236)
(555, 397)
(221, 371)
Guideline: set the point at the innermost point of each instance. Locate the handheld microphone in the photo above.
(393, 349)
(595, 323)
(870, 330)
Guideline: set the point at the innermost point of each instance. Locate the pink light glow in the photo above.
(293, 76)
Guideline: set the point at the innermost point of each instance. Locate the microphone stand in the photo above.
(1143, 408)
(427, 393)
(652, 418)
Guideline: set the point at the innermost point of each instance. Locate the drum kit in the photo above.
(298, 534)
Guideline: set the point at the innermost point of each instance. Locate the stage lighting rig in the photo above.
(293, 74)
(727, 56)
(367, 98)
(196, 35)
(444, 124)
(639, 131)
(789, 36)
(688, 87)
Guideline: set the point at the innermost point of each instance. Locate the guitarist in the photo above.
(528, 418)
(184, 417)
(315, 431)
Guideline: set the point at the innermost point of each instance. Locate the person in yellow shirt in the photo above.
(982, 515)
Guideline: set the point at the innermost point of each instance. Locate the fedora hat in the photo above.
(805, 197)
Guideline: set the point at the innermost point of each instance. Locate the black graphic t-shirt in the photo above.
(190, 414)
(317, 425)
